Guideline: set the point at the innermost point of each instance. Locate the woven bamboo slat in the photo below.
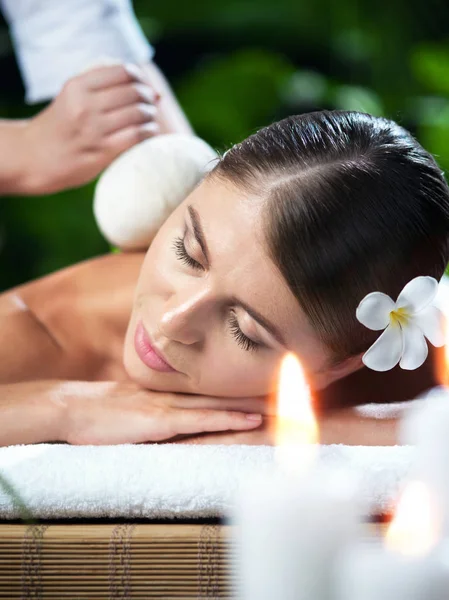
(109, 561)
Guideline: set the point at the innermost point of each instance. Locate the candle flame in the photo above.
(413, 530)
(296, 429)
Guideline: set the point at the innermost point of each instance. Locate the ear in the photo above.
(346, 367)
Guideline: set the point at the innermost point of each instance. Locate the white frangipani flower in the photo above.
(406, 322)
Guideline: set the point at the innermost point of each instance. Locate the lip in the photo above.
(147, 353)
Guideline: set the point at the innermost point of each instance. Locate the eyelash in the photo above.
(181, 253)
(238, 334)
(240, 337)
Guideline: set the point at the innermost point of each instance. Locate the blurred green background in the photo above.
(237, 65)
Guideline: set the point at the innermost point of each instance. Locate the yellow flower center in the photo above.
(399, 316)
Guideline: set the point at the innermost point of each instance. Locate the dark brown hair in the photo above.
(354, 204)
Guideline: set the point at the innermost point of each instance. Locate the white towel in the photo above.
(169, 480)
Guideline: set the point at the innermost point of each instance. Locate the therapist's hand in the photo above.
(97, 116)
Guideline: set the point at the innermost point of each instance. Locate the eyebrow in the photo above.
(198, 231)
(262, 321)
(201, 239)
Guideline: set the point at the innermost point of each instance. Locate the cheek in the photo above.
(232, 373)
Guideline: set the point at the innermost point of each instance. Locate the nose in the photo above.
(185, 318)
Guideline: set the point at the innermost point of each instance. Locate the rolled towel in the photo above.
(169, 480)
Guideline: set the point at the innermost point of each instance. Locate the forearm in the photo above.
(347, 426)
(171, 118)
(14, 167)
(31, 412)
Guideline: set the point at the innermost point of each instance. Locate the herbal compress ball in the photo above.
(139, 190)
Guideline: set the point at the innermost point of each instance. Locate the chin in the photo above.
(144, 376)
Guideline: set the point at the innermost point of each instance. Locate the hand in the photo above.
(97, 116)
(101, 413)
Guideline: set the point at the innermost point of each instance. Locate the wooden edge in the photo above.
(141, 532)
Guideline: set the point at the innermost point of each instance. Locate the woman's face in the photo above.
(214, 305)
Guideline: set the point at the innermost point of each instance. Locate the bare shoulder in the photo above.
(65, 324)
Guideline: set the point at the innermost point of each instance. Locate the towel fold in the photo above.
(161, 481)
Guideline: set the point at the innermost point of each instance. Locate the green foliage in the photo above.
(237, 65)
(240, 92)
(41, 235)
(430, 64)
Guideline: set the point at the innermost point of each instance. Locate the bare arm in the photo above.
(347, 426)
(170, 116)
(14, 167)
(343, 426)
(107, 412)
(28, 415)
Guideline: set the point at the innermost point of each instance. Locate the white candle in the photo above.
(371, 572)
(290, 525)
(426, 426)
(412, 564)
(290, 532)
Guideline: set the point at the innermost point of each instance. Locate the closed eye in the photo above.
(238, 334)
(183, 256)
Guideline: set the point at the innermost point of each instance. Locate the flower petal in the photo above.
(386, 351)
(415, 349)
(418, 293)
(374, 310)
(431, 322)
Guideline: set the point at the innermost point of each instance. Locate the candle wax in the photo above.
(369, 571)
(289, 530)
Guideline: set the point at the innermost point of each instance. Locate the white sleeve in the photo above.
(57, 39)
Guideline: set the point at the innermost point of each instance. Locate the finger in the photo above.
(195, 421)
(112, 75)
(124, 95)
(136, 114)
(122, 140)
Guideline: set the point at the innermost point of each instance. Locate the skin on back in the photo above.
(69, 324)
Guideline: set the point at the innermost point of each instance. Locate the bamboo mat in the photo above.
(125, 560)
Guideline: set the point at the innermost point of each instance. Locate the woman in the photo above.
(273, 252)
